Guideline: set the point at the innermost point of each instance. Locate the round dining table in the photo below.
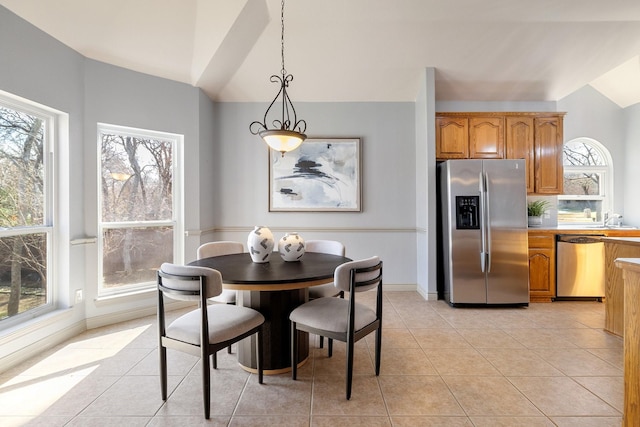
(273, 288)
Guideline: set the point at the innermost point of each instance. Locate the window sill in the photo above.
(132, 295)
(28, 326)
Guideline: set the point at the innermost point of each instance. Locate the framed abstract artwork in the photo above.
(323, 174)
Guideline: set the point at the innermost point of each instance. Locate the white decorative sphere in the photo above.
(260, 244)
(291, 247)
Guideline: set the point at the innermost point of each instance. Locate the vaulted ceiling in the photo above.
(361, 50)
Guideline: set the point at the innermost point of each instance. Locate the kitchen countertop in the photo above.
(564, 227)
(607, 231)
(596, 227)
(632, 264)
(635, 241)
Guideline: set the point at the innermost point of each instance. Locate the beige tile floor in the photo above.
(545, 365)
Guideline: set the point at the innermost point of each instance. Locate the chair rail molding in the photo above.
(243, 229)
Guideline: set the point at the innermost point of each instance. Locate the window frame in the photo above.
(51, 119)
(606, 180)
(176, 221)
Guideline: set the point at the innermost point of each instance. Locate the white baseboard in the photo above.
(41, 345)
(403, 288)
(124, 316)
(429, 296)
(37, 347)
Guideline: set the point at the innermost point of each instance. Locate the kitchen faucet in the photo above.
(615, 216)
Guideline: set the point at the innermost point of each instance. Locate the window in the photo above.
(26, 222)
(140, 224)
(587, 182)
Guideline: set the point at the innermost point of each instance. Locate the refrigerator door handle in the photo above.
(483, 222)
(487, 224)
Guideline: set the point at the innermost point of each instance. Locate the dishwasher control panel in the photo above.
(580, 238)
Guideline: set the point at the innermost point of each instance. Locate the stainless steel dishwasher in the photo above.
(580, 266)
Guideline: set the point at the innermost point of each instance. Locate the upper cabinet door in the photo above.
(535, 137)
(486, 137)
(548, 151)
(452, 138)
(519, 145)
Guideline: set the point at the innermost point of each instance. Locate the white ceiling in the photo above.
(361, 50)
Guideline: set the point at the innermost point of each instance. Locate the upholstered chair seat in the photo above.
(205, 330)
(341, 319)
(332, 247)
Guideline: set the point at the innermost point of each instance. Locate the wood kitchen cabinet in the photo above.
(452, 138)
(614, 248)
(548, 155)
(538, 140)
(520, 145)
(631, 274)
(469, 137)
(542, 266)
(486, 137)
(535, 137)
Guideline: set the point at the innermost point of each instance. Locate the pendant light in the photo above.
(288, 132)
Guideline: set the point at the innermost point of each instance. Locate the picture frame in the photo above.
(322, 175)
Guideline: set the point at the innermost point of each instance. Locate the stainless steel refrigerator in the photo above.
(483, 214)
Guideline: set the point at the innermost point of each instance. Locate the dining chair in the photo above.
(341, 319)
(219, 248)
(205, 330)
(223, 247)
(332, 247)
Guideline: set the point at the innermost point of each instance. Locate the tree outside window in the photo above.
(138, 218)
(586, 196)
(25, 229)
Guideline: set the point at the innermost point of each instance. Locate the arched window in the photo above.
(588, 183)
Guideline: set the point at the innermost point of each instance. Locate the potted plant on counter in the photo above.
(535, 210)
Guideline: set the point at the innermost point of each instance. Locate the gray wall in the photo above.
(426, 226)
(386, 225)
(467, 106)
(36, 67)
(590, 114)
(226, 178)
(117, 96)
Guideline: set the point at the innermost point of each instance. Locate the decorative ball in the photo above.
(260, 243)
(291, 247)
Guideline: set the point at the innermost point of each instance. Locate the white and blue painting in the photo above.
(322, 174)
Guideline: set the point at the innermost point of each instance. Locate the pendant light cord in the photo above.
(283, 70)
(287, 132)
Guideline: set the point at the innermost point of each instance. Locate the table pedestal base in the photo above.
(275, 306)
(274, 371)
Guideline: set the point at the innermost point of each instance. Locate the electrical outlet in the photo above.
(78, 296)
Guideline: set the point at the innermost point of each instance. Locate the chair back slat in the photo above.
(367, 274)
(205, 330)
(360, 277)
(322, 316)
(184, 282)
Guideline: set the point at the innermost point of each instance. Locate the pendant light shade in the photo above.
(282, 140)
(287, 132)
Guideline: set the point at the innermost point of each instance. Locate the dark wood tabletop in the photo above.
(290, 280)
(239, 272)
